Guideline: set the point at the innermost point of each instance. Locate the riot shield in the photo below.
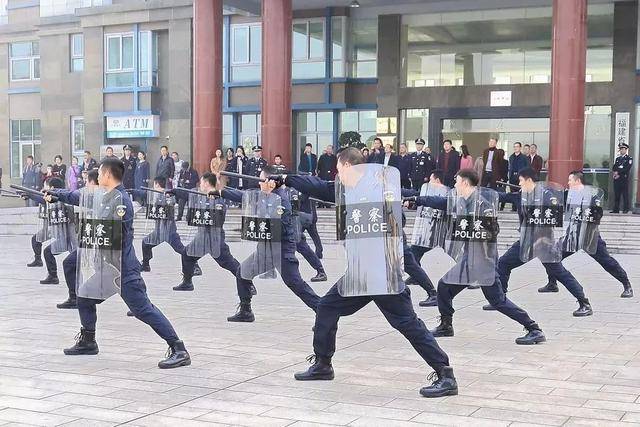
(205, 217)
(62, 228)
(582, 219)
(42, 235)
(99, 243)
(262, 228)
(161, 220)
(541, 228)
(472, 237)
(369, 221)
(430, 226)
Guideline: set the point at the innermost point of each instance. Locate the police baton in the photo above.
(7, 193)
(321, 201)
(508, 184)
(242, 176)
(33, 192)
(153, 190)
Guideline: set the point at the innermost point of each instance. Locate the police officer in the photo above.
(130, 163)
(421, 165)
(255, 166)
(133, 290)
(307, 221)
(621, 169)
(397, 308)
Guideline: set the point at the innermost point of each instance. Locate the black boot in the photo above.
(320, 277)
(85, 344)
(430, 301)
(410, 281)
(130, 314)
(37, 262)
(488, 307)
(197, 271)
(243, 314)
(145, 266)
(177, 356)
(320, 370)
(444, 384)
(69, 303)
(51, 279)
(584, 309)
(550, 287)
(628, 291)
(186, 285)
(534, 336)
(445, 328)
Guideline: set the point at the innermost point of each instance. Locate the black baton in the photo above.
(508, 184)
(33, 192)
(153, 190)
(241, 176)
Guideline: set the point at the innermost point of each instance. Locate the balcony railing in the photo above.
(67, 7)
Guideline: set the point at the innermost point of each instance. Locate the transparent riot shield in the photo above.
(161, 220)
(42, 235)
(62, 228)
(100, 243)
(262, 228)
(295, 200)
(205, 217)
(582, 217)
(430, 226)
(472, 237)
(369, 222)
(542, 211)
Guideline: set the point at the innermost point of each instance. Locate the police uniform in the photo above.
(421, 168)
(309, 222)
(622, 166)
(254, 168)
(49, 258)
(130, 164)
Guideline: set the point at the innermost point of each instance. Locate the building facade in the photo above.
(86, 74)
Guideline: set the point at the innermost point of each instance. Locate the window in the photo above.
(25, 61)
(337, 45)
(148, 59)
(4, 13)
(315, 128)
(227, 131)
(77, 135)
(246, 53)
(77, 52)
(120, 53)
(414, 124)
(308, 49)
(364, 122)
(25, 141)
(67, 7)
(249, 131)
(363, 38)
(597, 136)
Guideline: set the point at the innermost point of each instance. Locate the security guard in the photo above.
(130, 164)
(621, 169)
(421, 165)
(255, 166)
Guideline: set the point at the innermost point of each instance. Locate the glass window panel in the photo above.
(505, 66)
(240, 45)
(16, 164)
(336, 37)
(348, 121)
(300, 41)
(537, 66)
(36, 129)
(127, 52)
(124, 79)
(36, 68)
(78, 44)
(248, 123)
(308, 70)
(363, 39)
(256, 45)
(144, 51)
(227, 123)
(20, 69)
(77, 64)
(26, 130)
(246, 73)
(15, 130)
(20, 49)
(338, 69)
(325, 121)
(35, 48)
(368, 120)
(113, 53)
(599, 64)
(597, 136)
(316, 40)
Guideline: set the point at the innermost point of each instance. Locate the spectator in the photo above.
(31, 177)
(389, 158)
(404, 165)
(46, 175)
(466, 161)
(492, 159)
(535, 159)
(327, 164)
(59, 169)
(129, 161)
(217, 165)
(517, 162)
(255, 166)
(240, 166)
(74, 175)
(177, 167)
(109, 153)
(448, 162)
(230, 167)
(421, 165)
(365, 153)
(377, 152)
(165, 168)
(308, 161)
(277, 163)
(84, 177)
(478, 166)
(142, 174)
(526, 150)
(89, 162)
(187, 178)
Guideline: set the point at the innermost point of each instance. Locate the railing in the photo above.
(67, 7)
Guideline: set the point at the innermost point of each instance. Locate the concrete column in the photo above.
(277, 18)
(566, 144)
(207, 81)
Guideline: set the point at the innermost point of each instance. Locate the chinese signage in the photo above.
(100, 234)
(622, 128)
(475, 229)
(544, 216)
(160, 212)
(133, 126)
(202, 217)
(363, 220)
(500, 98)
(261, 229)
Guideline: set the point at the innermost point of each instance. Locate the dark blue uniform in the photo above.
(622, 166)
(133, 289)
(397, 309)
(511, 259)
(69, 267)
(422, 165)
(289, 265)
(49, 259)
(309, 221)
(404, 166)
(494, 293)
(254, 168)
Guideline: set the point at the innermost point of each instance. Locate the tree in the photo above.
(351, 139)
